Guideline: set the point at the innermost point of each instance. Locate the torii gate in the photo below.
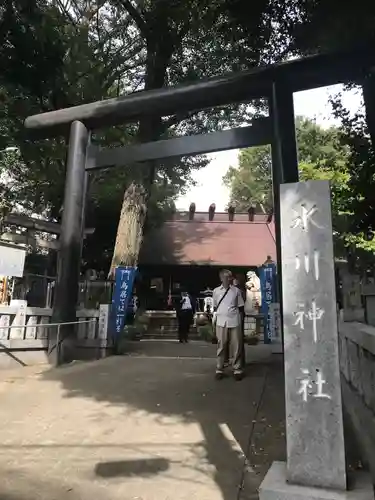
(275, 83)
(315, 465)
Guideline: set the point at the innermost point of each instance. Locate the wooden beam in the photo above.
(299, 74)
(37, 224)
(257, 134)
(33, 241)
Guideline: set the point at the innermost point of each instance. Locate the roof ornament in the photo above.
(231, 212)
(211, 211)
(251, 212)
(270, 216)
(191, 211)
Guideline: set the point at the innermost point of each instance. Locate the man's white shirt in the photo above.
(227, 314)
(186, 303)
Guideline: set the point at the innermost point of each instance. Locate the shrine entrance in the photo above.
(315, 449)
(274, 84)
(187, 253)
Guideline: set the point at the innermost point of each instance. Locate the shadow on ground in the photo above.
(36, 488)
(128, 468)
(152, 426)
(252, 411)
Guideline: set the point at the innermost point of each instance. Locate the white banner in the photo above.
(12, 261)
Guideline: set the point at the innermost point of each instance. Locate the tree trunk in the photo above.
(134, 206)
(130, 227)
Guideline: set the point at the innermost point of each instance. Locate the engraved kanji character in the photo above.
(305, 385)
(300, 317)
(306, 260)
(305, 217)
(313, 315)
(319, 386)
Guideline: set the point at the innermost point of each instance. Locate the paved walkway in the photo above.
(151, 426)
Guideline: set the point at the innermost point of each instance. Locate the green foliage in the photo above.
(354, 135)
(312, 26)
(99, 55)
(32, 45)
(328, 25)
(332, 25)
(321, 156)
(340, 155)
(251, 182)
(359, 222)
(58, 54)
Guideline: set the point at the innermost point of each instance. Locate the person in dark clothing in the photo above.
(185, 316)
(131, 310)
(237, 283)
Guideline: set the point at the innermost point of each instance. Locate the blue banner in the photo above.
(124, 280)
(267, 276)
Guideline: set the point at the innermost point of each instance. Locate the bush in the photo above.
(205, 332)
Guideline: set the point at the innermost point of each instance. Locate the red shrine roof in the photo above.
(201, 241)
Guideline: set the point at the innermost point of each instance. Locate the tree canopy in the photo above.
(313, 26)
(251, 183)
(60, 53)
(323, 155)
(333, 25)
(100, 49)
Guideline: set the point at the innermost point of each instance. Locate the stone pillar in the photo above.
(315, 467)
(19, 321)
(4, 323)
(104, 314)
(351, 293)
(32, 321)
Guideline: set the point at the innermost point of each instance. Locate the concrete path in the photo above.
(143, 427)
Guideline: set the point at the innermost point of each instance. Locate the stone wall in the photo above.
(357, 364)
(368, 293)
(25, 333)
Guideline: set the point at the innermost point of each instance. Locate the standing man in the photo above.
(239, 283)
(228, 306)
(185, 316)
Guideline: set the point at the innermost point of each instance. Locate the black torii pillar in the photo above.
(284, 147)
(66, 294)
(284, 160)
(368, 89)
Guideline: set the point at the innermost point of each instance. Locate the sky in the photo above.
(209, 187)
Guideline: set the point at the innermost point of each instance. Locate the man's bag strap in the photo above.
(222, 298)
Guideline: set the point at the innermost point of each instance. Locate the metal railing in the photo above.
(50, 349)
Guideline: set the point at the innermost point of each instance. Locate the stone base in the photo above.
(277, 348)
(275, 487)
(356, 315)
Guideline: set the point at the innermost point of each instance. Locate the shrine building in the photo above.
(190, 248)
